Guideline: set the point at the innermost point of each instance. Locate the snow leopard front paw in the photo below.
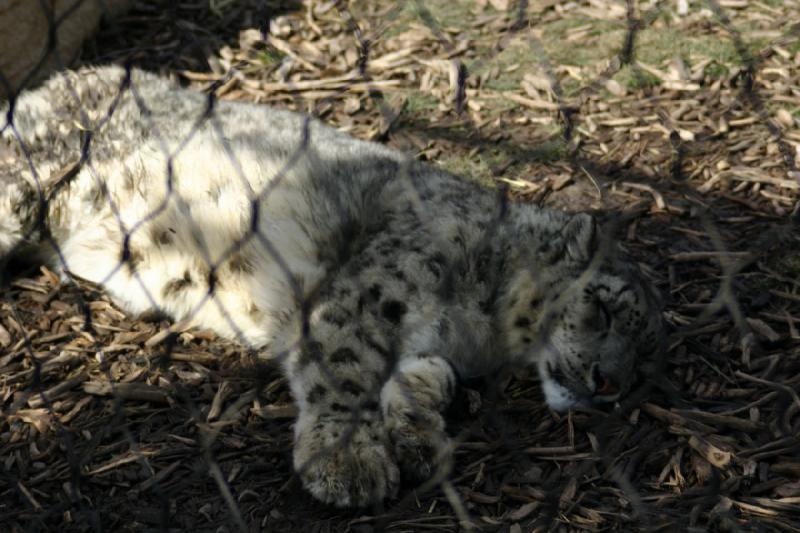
(346, 464)
(423, 449)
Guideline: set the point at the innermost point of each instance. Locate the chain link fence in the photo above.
(675, 122)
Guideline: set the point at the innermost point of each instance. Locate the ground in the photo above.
(677, 122)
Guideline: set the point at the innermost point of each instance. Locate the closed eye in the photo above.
(599, 317)
(605, 312)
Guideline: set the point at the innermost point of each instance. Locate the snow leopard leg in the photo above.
(412, 402)
(342, 452)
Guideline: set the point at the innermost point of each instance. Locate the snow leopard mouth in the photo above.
(563, 392)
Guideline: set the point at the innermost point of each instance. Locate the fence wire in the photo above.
(113, 422)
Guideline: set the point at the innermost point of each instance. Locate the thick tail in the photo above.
(19, 206)
(40, 146)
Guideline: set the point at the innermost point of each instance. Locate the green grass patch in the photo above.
(480, 166)
(552, 150)
(435, 14)
(268, 57)
(604, 40)
(656, 46)
(636, 78)
(517, 53)
(420, 104)
(717, 70)
(477, 168)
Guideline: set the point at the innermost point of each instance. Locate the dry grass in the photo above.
(702, 167)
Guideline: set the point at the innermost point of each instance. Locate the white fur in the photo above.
(558, 397)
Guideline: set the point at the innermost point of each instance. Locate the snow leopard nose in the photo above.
(604, 385)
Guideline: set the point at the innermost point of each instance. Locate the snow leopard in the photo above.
(377, 282)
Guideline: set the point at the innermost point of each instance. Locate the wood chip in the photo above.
(127, 391)
(711, 453)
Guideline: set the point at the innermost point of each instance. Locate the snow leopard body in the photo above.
(376, 280)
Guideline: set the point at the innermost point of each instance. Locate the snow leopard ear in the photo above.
(580, 237)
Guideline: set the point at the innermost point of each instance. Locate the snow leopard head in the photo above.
(585, 315)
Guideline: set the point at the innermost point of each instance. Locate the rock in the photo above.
(27, 23)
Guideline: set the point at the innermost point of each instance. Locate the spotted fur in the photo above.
(377, 280)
